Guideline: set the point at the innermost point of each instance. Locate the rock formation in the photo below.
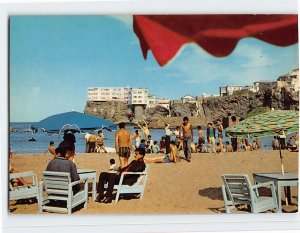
(241, 104)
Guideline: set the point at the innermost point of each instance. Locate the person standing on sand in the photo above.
(234, 141)
(100, 142)
(186, 134)
(51, 149)
(145, 129)
(201, 140)
(210, 133)
(168, 134)
(220, 134)
(123, 144)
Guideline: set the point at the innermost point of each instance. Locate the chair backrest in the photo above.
(56, 182)
(143, 177)
(238, 188)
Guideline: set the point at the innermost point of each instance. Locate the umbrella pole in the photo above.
(281, 160)
(282, 172)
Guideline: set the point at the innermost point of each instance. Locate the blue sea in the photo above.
(19, 140)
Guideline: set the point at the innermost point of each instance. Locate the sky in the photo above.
(55, 59)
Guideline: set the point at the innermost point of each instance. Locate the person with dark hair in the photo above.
(143, 144)
(100, 142)
(111, 179)
(155, 147)
(113, 166)
(168, 134)
(68, 144)
(162, 145)
(211, 136)
(61, 164)
(51, 149)
(123, 144)
(186, 134)
(173, 157)
(201, 140)
(136, 139)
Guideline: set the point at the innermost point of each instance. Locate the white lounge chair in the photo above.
(237, 190)
(137, 188)
(58, 187)
(24, 192)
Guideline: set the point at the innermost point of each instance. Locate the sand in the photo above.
(183, 188)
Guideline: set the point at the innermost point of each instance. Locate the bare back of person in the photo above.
(186, 129)
(123, 138)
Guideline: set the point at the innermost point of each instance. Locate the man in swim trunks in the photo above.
(186, 133)
(123, 144)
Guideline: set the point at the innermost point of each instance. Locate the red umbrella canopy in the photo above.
(164, 35)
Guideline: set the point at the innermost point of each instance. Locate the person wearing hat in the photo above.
(137, 165)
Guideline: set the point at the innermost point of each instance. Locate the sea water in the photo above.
(19, 143)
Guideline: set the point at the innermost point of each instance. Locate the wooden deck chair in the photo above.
(24, 192)
(237, 190)
(138, 187)
(59, 188)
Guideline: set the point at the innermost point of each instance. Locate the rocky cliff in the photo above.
(241, 104)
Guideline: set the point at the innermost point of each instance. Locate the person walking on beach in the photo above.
(186, 134)
(211, 132)
(220, 134)
(51, 149)
(123, 144)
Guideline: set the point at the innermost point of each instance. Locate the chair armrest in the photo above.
(21, 174)
(268, 184)
(78, 182)
(134, 173)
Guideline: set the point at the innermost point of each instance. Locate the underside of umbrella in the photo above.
(217, 34)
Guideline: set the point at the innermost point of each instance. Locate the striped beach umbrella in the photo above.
(266, 124)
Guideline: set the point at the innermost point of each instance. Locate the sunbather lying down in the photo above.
(18, 181)
(173, 157)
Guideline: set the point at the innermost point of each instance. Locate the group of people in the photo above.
(292, 144)
(95, 144)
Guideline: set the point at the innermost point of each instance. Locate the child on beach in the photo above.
(228, 147)
(155, 148)
(113, 166)
(51, 149)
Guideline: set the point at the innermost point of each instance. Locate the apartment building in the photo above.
(103, 94)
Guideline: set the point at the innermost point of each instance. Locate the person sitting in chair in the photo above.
(61, 164)
(111, 179)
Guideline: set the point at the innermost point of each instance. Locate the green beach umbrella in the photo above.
(265, 125)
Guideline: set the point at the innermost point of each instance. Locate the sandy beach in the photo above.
(183, 188)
